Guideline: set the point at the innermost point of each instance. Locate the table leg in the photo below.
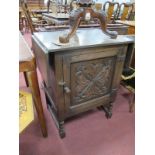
(33, 83)
(127, 62)
(132, 103)
(26, 80)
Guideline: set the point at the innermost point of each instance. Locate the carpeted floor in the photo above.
(87, 134)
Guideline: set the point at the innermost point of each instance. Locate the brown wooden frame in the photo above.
(126, 10)
(56, 67)
(29, 68)
(111, 9)
(31, 24)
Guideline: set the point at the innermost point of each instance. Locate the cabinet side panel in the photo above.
(119, 66)
(59, 88)
(42, 61)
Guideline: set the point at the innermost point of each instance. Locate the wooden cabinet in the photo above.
(82, 75)
(89, 79)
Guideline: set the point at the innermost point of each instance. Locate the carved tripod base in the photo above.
(86, 13)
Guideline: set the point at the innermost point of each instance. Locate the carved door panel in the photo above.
(89, 78)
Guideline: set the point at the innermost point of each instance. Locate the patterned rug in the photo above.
(26, 114)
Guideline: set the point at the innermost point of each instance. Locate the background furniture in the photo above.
(21, 24)
(128, 79)
(111, 11)
(82, 74)
(131, 30)
(57, 6)
(35, 24)
(36, 4)
(125, 13)
(27, 64)
(129, 83)
(98, 6)
(131, 24)
(73, 5)
(132, 14)
(52, 6)
(57, 18)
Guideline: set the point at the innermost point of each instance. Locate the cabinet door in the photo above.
(89, 77)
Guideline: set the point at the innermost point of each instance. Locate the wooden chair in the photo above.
(27, 65)
(21, 23)
(55, 7)
(98, 6)
(125, 13)
(132, 14)
(112, 11)
(52, 6)
(34, 25)
(73, 5)
(128, 81)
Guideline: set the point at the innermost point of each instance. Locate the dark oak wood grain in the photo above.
(82, 75)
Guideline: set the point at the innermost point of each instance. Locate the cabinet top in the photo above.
(84, 38)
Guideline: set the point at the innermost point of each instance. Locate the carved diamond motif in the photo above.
(91, 79)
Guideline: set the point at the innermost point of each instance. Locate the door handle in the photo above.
(66, 89)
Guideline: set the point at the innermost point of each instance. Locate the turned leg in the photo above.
(53, 112)
(47, 101)
(33, 83)
(132, 103)
(108, 110)
(61, 129)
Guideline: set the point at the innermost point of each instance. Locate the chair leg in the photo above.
(132, 103)
(33, 83)
(26, 80)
